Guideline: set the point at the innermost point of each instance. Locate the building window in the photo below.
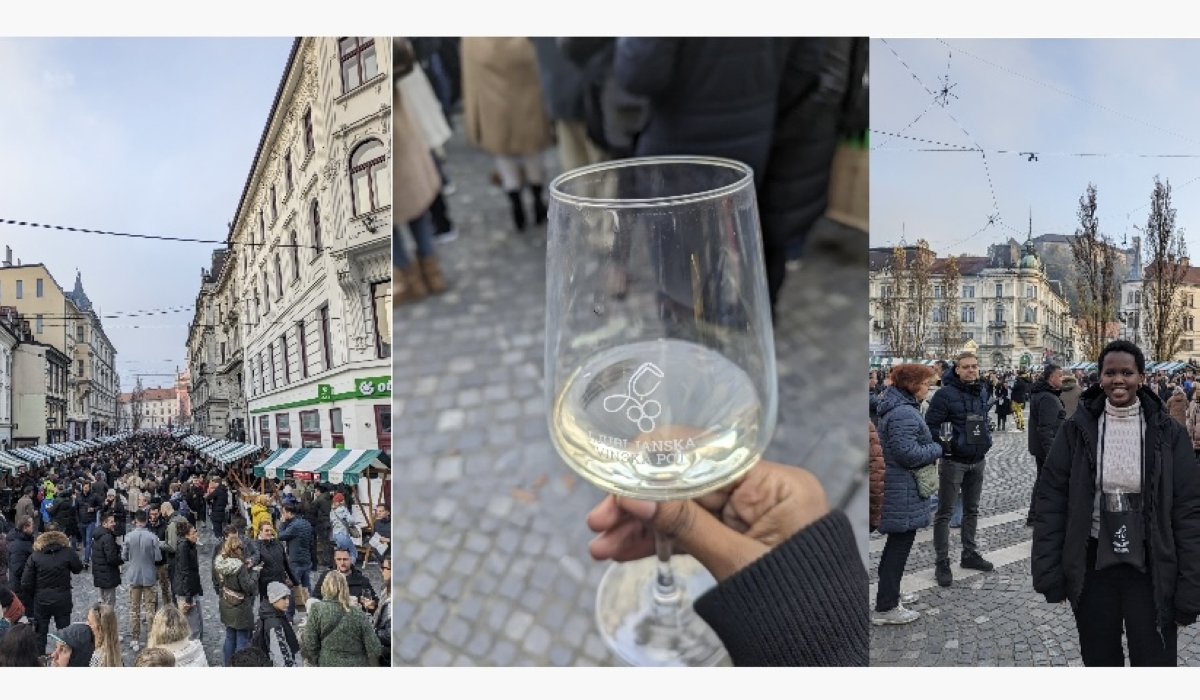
(884, 291)
(274, 205)
(222, 352)
(335, 427)
(316, 230)
(325, 349)
(20, 289)
(968, 314)
(287, 170)
(266, 292)
(39, 288)
(295, 256)
(262, 227)
(79, 333)
(367, 164)
(968, 291)
(303, 343)
(310, 429)
(999, 339)
(278, 276)
(383, 317)
(999, 289)
(271, 357)
(283, 429)
(287, 366)
(359, 63)
(1189, 323)
(1189, 345)
(938, 291)
(80, 369)
(309, 145)
(262, 373)
(1191, 301)
(264, 430)
(999, 314)
(39, 323)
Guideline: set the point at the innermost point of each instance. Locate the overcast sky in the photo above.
(1126, 98)
(131, 135)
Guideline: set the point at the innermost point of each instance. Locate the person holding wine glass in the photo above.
(963, 402)
(1116, 530)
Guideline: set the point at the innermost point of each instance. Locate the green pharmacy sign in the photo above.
(373, 387)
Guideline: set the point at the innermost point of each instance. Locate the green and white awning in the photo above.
(320, 464)
(29, 455)
(244, 450)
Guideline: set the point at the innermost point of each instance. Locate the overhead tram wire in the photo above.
(145, 236)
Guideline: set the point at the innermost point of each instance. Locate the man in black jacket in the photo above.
(218, 502)
(48, 578)
(106, 560)
(20, 546)
(321, 507)
(360, 586)
(962, 402)
(1046, 414)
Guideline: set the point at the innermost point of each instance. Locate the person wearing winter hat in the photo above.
(273, 635)
(73, 646)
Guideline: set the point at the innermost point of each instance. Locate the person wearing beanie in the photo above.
(273, 635)
(1177, 405)
(73, 647)
(1070, 393)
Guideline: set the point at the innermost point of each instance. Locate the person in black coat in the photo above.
(272, 561)
(1020, 397)
(64, 512)
(1046, 414)
(20, 547)
(115, 506)
(186, 584)
(106, 560)
(217, 499)
(1130, 558)
(790, 578)
(47, 578)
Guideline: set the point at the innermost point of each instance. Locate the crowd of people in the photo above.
(1115, 505)
(130, 515)
(780, 105)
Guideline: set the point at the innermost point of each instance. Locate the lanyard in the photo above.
(1141, 450)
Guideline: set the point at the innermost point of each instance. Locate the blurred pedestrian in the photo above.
(505, 116)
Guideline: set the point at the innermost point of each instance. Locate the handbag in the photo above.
(232, 597)
(927, 480)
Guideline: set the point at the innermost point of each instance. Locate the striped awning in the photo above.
(320, 464)
(30, 455)
(11, 464)
(245, 450)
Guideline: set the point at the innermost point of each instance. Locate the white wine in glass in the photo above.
(664, 388)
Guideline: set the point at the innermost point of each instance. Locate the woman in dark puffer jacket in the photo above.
(1128, 557)
(907, 446)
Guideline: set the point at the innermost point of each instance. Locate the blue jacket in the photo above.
(952, 403)
(907, 445)
(299, 537)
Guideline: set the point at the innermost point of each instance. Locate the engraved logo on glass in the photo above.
(638, 407)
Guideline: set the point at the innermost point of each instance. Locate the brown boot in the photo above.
(432, 274)
(407, 286)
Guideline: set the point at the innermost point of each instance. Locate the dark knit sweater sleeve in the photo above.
(802, 604)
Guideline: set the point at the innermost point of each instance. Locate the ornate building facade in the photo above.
(1007, 305)
(291, 343)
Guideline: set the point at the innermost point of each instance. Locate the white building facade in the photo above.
(311, 246)
(8, 344)
(1016, 316)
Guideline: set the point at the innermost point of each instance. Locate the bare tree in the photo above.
(951, 329)
(1162, 304)
(136, 399)
(892, 301)
(919, 306)
(1095, 262)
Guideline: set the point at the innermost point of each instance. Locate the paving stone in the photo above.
(518, 624)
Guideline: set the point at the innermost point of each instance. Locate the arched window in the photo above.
(295, 256)
(316, 229)
(367, 174)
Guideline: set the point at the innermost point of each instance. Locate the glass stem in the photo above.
(666, 592)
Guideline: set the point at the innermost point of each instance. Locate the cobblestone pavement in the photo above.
(992, 619)
(491, 563)
(85, 594)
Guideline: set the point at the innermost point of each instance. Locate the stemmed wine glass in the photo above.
(947, 431)
(661, 387)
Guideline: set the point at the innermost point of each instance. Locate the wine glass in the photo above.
(947, 431)
(662, 387)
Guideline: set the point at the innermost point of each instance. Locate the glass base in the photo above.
(644, 630)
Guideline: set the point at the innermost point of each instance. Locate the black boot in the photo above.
(539, 207)
(518, 210)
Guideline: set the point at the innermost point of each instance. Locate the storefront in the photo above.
(349, 414)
